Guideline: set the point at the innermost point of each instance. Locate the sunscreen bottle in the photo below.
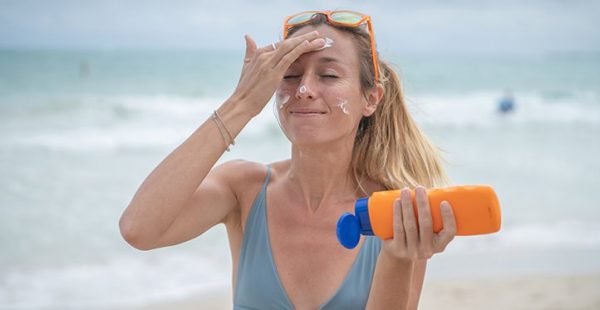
(475, 207)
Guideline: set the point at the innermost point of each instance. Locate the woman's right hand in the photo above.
(264, 68)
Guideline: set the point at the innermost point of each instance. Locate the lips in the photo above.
(307, 112)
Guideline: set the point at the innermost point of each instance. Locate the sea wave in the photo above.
(107, 123)
(557, 235)
(124, 281)
(480, 109)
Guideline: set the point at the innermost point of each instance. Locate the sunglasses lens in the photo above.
(300, 18)
(346, 17)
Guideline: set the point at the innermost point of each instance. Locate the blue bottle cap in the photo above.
(361, 209)
(348, 230)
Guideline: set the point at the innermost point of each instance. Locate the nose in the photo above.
(305, 90)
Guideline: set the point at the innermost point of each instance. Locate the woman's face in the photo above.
(320, 98)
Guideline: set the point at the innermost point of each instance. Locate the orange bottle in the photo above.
(475, 207)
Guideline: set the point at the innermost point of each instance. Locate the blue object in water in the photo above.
(506, 105)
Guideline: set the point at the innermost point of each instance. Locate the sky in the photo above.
(416, 26)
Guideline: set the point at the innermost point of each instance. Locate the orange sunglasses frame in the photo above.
(364, 18)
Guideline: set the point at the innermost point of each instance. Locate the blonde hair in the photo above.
(389, 147)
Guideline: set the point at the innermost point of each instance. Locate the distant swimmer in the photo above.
(507, 103)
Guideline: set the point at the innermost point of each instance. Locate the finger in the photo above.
(250, 48)
(304, 47)
(289, 44)
(268, 48)
(399, 235)
(449, 231)
(409, 221)
(425, 222)
(285, 46)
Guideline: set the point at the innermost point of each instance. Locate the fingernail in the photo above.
(322, 43)
(327, 42)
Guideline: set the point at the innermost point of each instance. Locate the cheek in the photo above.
(284, 93)
(342, 104)
(347, 109)
(281, 98)
(345, 103)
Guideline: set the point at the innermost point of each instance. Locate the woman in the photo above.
(351, 135)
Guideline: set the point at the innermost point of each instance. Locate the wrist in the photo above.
(399, 262)
(239, 107)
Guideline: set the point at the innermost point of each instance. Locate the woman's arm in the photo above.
(182, 197)
(396, 284)
(400, 270)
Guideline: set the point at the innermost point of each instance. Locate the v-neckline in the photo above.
(272, 259)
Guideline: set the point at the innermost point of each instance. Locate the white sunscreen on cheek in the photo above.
(281, 99)
(343, 105)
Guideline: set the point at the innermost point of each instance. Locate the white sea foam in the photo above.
(564, 234)
(98, 123)
(122, 281)
(479, 109)
(117, 122)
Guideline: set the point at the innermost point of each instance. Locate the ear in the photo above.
(373, 97)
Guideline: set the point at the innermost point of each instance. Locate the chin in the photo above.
(313, 135)
(306, 139)
(317, 140)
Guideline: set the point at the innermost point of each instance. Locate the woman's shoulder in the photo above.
(245, 179)
(242, 170)
(244, 173)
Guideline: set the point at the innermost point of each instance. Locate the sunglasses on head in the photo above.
(340, 18)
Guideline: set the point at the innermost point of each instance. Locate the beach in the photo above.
(520, 292)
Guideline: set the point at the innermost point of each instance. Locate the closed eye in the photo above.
(329, 76)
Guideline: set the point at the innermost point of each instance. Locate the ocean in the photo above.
(80, 130)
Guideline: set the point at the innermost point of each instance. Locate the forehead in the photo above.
(342, 49)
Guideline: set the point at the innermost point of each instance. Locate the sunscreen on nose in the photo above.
(476, 211)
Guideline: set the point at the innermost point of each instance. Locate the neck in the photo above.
(322, 175)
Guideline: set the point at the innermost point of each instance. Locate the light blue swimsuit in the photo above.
(258, 285)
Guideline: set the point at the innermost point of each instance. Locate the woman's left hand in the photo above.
(416, 242)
